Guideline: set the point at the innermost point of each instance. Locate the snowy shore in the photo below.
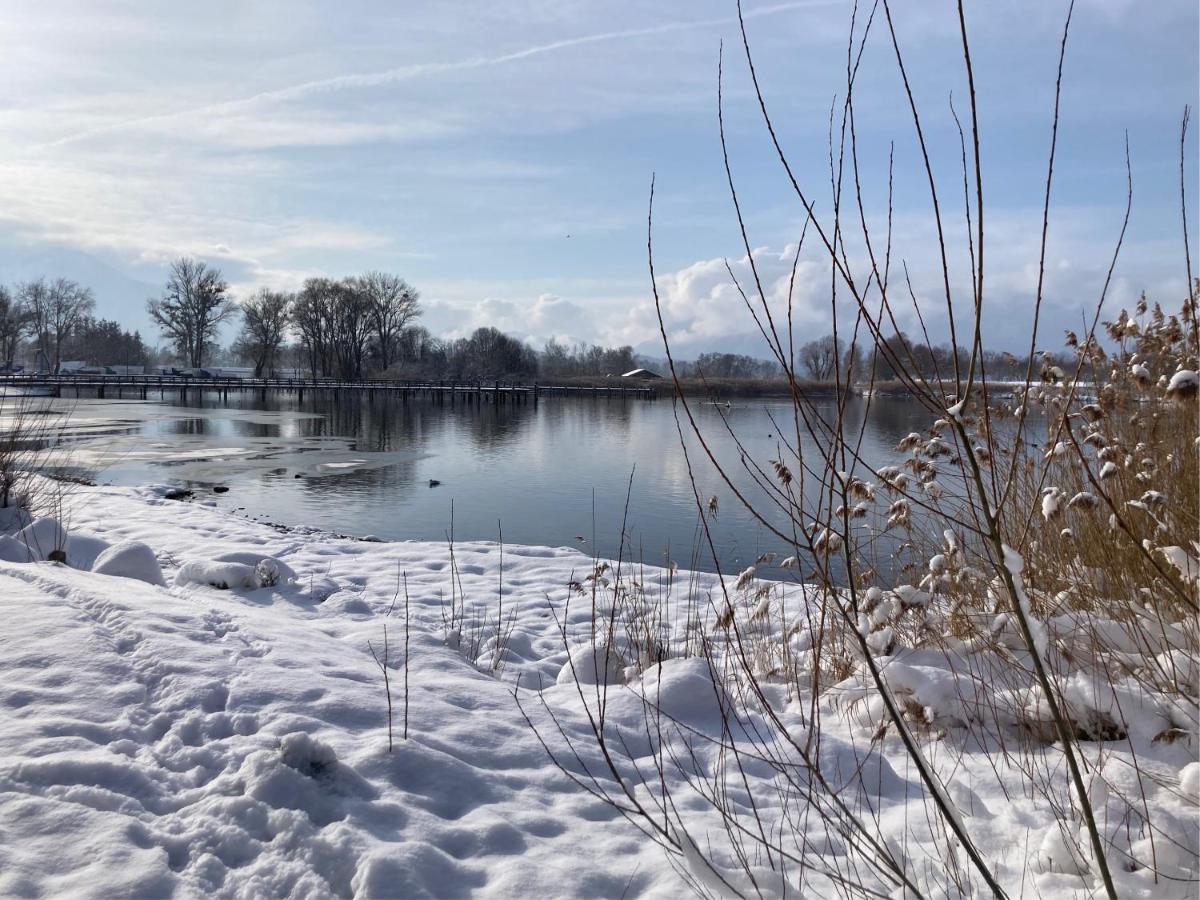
(144, 748)
(180, 738)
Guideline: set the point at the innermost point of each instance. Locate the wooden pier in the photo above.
(145, 387)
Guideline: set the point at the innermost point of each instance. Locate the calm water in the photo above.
(555, 475)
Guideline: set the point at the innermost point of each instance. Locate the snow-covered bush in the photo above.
(270, 571)
(238, 570)
(472, 626)
(30, 447)
(223, 576)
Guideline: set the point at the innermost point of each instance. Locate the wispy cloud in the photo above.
(415, 71)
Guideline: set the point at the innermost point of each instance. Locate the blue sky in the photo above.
(498, 156)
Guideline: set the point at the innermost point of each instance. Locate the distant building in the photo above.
(641, 373)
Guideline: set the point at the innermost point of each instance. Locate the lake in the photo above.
(555, 473)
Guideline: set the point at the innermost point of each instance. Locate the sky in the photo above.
(499, 156)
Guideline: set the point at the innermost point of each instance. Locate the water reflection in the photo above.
(556, 473)
(190, 427)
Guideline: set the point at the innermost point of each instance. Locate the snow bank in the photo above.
(189, 740)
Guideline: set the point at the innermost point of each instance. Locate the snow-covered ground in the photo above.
(158, 739)
(226, 731)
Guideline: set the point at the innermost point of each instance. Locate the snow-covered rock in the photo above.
(1061, 853)
(83, 549)
(43, 536)
(593, 664)
(848, 766)
(12, 550)
(130, 559)
(247, 570)
(348, 603)
(687, 691)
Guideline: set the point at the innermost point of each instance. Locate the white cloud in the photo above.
(702, 308)
(544, 318)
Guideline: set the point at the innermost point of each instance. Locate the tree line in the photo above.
(51, 319)
(366, 326)
(827, 359)
(350, 328)
(344, 328)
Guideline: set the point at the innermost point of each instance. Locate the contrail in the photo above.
(424, 70)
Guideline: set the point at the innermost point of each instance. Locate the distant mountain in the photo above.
(119, 295)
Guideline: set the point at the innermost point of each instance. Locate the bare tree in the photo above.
(352, 328)
(312, 313)
(334, 322)
(14, 324)
(34, 297)
(819, 358)
(55, 308)
(192, 308)
(264, 320)
(70, 304)
(391, 307)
